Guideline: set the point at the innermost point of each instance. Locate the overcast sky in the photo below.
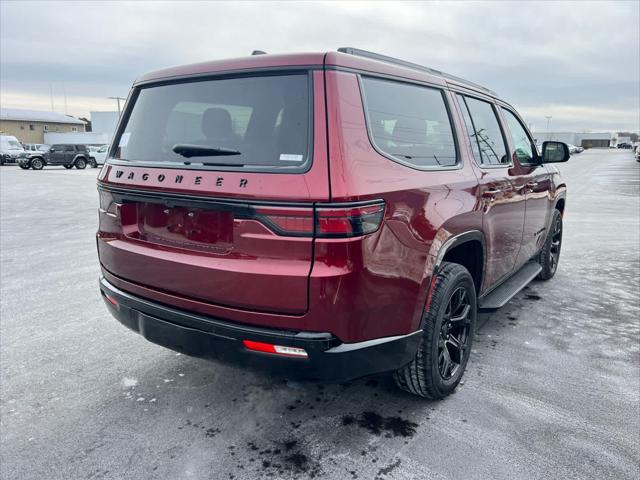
(578, 62)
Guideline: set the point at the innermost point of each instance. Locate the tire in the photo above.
(37, 163)
(68, 167)
(549, 256)
(93, 163)
(81, 163)
(428, 375)
(24, 166)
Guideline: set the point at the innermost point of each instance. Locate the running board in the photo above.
(507, 290)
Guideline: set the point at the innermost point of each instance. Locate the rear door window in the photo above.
(246, 123)
(409, 123)
(485, 132)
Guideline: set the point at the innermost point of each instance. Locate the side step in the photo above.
(507, 290)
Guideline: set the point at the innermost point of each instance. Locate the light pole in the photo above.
(118, 99)
(548, 121)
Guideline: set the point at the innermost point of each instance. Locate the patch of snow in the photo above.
(129, 382)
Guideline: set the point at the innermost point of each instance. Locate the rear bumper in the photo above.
(328, 358)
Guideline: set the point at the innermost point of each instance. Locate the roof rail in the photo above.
(414, 66)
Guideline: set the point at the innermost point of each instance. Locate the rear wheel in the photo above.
(24, 166)
(550, 253)
(68, 167)
(81, 163)
(37, 163)
(447, 327)
(93, 163)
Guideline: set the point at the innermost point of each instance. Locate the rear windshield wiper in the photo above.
(189, 151)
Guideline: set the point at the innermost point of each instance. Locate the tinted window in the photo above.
(487, 133)
(470, 129)
(265, 118)
(68, 148)
(409, 123)
(523, 144)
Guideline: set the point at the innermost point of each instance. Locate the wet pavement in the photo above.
(552, 389)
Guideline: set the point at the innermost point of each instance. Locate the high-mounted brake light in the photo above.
(276, 349)
(339, 221)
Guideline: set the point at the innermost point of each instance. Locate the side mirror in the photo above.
(555, 152)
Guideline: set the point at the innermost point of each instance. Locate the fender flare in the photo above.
(456, 240)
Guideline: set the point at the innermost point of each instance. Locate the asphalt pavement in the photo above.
(552, 389)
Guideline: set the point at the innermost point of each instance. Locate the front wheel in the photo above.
(93, 163)
(68, 167)
(81, 163)
(24, 166)
(37, 164)
(550, 254)
(447, 335)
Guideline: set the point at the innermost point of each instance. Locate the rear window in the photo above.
(409, 123)
(248, 123)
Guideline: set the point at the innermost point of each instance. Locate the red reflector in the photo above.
(259, 346)
(111, 300)
(277, 349)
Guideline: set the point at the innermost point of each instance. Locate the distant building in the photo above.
(586, 140)
(30, 126)
(104, 122)
(103, 125)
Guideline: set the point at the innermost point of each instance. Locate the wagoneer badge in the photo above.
(219, 181)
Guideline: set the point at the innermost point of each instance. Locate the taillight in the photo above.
(108, 204)
(296, 222)
(326, 221)
(349, 221)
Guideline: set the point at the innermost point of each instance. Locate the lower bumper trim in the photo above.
(215, 339)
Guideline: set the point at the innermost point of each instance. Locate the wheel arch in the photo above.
(466, 249)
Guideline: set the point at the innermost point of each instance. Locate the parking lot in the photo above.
(552, 389)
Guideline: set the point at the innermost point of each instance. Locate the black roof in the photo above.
(414, 66)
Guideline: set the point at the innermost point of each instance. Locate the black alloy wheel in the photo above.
(550, 254)
(448, 324)
(453, 344)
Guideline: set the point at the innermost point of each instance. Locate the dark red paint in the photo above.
(359, 288)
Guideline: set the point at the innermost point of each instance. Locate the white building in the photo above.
(104, 122)
(586, 140)
(103, 125)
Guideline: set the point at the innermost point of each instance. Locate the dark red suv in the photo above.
(333, 215)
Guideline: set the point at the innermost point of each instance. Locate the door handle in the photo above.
(491, 192)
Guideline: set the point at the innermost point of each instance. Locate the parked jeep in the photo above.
(66, 155)
(331, 215)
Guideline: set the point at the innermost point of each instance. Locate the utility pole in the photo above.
(51, 95)
(64, 89)
(548, 132)
(118, 99)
